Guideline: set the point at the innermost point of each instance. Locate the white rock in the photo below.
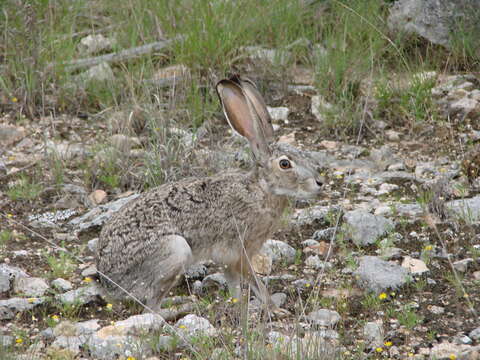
(81, 295)
(279, 299)
(383, 210)
(191, 325)
(414, 266)
(445, 350)
(30, 286)
(386, 188)
(279, 113)
(378, 275)
(279, 251)
(324, 317)
(92, 245)
(93, 44)
(397, 166)
(101, 72)
(392, 135)
(462, 265)
(20, 253)
(465, 106)
(9, 307)
(373, 334)
(364, 228)
(87, 327)
(216, 280)
(314, 262)
(475, 334)
(437, 310)
(89, 271)
(134, 325)
(320, 107)
(7, 274)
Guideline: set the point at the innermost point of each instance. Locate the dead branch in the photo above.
(120, 56)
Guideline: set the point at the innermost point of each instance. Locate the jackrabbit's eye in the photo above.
(285, 164)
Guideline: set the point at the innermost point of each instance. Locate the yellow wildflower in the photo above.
(87, 279)
(19, 340)
(452, 357)
(379, 349)
(428, 248)
(109, 306)
(234, 300)
(14, 99)
(307, 285)
(388, 343)
(131, 358)
(9, 215)
(182, 327)
(382, 296)
(31, 300)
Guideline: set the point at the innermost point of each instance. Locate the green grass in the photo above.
(40, 37)
(409, 318)
(5, 237)
(24, 189)
(406, 105)
(62, 265)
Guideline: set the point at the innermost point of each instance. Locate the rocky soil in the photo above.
(385, 265)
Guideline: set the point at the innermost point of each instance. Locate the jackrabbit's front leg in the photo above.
(243, 269)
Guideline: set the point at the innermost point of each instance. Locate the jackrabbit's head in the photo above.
(282, 169)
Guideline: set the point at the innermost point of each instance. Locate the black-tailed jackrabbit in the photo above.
(149, 243)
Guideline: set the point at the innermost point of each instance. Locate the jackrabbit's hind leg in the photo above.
(166, 266)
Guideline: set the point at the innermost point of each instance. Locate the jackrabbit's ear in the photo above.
(242, 116)
(253, 95)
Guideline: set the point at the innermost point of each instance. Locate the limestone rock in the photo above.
(378, 275)
(364, 228)
(30, 286)
(434, 20)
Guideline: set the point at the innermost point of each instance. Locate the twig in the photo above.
(123, 55)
